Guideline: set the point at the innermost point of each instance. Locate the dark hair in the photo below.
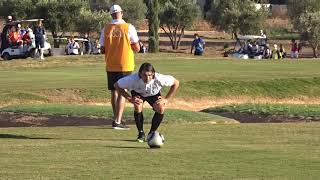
(196, 34)
(146, 67)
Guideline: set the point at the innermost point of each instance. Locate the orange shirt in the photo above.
(119, 56)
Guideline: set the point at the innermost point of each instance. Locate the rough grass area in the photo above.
(268, 112)
(197, 151)
(87, 111)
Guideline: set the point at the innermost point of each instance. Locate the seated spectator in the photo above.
(275, 52)
(14, 37)
(143, 49)
(96, 47)
(267, 52)
(255, 49)
(73, 47)
(282, 52)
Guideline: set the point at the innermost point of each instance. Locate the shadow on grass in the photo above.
(13, 136)
(127, 147)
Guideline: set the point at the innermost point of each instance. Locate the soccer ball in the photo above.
(155, 140)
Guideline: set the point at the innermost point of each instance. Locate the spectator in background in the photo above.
(73, 47)
(263, 40)
(5, 34)
(143, 49)
(39, 33)
(294, 49)
(282, 52)
(267, 52)
(87, 44)
(275, 52)
(96, 47)
(198, 45)
(14, 37)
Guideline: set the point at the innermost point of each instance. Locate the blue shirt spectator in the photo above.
(198, 45)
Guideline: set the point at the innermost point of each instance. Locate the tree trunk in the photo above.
(56, 42)
(153, 19)
(315, 51)
(180, 36)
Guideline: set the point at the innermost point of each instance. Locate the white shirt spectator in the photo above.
(73, 48)
(133, 82)
(133, 35)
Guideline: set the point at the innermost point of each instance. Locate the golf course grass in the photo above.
(199, 145)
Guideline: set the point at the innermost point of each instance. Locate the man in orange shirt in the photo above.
(119, 41)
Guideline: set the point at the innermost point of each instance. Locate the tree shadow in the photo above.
(13, 136)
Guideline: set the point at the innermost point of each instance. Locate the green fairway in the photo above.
(198, 145)
(83, 78)
(243, 151)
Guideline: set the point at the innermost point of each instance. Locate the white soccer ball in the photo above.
(155, 140)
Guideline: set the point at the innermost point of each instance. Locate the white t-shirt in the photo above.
(133, 82)
(73, 48)
(133, 35)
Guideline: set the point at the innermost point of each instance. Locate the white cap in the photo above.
(19, 25)
(115, 8)
(10, 17)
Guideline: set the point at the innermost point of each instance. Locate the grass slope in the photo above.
(172, 115)
(238, 151)
(82, 78)
(270, 109)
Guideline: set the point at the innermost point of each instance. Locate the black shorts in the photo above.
(40, 43)
(113, 77)
(151, 99)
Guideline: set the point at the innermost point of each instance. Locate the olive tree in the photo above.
(176, 16)
(91, 21)
(305, 16)
(237, 16)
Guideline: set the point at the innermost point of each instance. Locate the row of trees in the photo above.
(61, 16)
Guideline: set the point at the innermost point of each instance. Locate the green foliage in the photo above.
(237, 16)
(91, 21)
(153, 19)
(176, 16)
(305, 16)
(134, 11)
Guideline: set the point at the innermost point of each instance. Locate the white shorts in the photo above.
(294, 54)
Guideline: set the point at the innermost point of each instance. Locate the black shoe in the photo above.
(120, 126)
(141, 137)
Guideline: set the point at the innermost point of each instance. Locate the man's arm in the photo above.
(172, 89)
(171, 92)
(134, 100)
(135, 47)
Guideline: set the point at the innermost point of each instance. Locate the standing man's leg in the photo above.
(117, 101)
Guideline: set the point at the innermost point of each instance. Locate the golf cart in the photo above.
(249, 46)
(28, 49)
(67, 39)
